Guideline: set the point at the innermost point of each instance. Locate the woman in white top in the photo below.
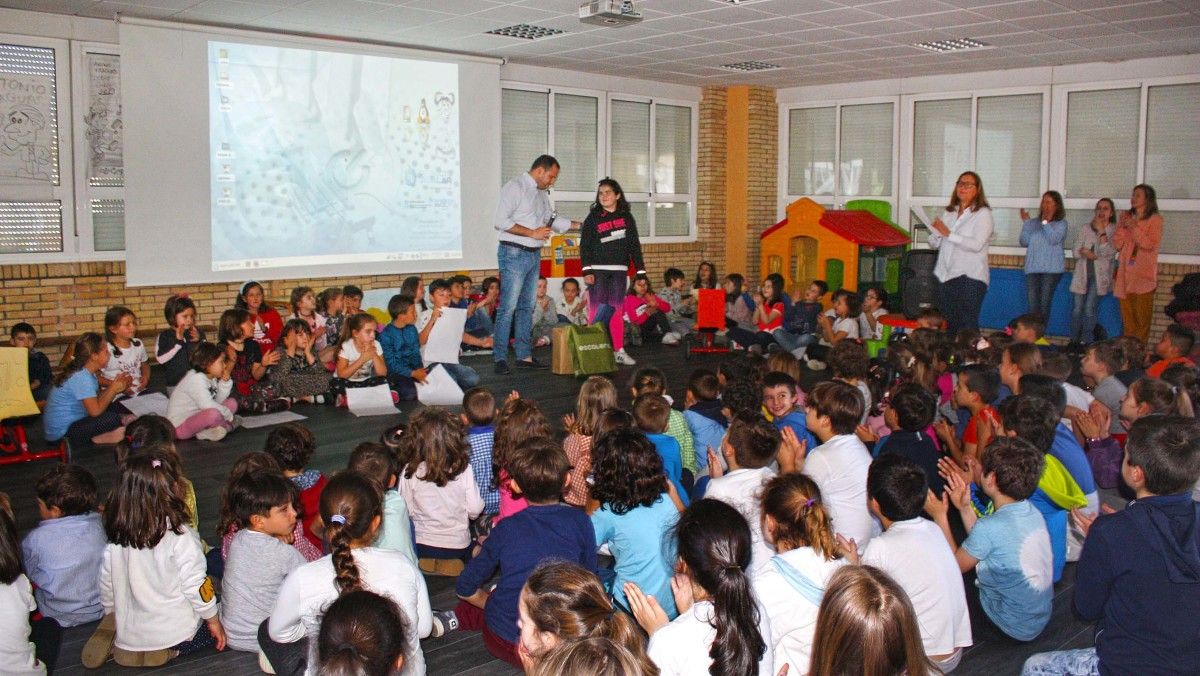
(961, 237)
(790, 589)
(721, 628)
(352, 511)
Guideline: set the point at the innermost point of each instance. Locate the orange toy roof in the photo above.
(861, 227)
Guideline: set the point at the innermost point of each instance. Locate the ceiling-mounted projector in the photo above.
(609, 13)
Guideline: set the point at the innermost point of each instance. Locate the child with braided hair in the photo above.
(352, 510)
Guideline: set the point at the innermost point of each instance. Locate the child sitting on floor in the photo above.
(1029, 328)
(1009, 547)
(439, 487)
(402, 348)
(200, 405)
(177, 342)
(40, 376)
(595, 396)
(651, 380)
(77, 408)
(300, 375)
(251, 387)
(572, 307)
(360, 361)
(255, 462)
(128, 353)
(909, 415)
(651, 411)
(749, 448)
(304, 308)
(376, 462)
(1100, 364)
(292, 445)
(779, 397)
(330, 305)
(479, 412)
(1174, 347)
(545, 529)
(800, 324)
(703, 415)
(517, 421)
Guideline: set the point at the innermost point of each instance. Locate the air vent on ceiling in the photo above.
(526, 31)
(958, 45)
(750, 66)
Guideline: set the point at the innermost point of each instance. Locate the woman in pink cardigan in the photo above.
(1139, 234)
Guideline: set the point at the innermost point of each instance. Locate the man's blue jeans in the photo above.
(518, 287)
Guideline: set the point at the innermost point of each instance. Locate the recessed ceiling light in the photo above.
(526, 31)
(957, 45)
(750, 66)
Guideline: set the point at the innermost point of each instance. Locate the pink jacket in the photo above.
(635, 310)
(1144, 236)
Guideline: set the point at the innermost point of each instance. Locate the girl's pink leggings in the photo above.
(616, 324)
(209, 417)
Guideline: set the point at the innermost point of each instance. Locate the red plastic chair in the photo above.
(16, 401)
(710, 318)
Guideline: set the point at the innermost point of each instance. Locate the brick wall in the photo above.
(710, 176)
(762, 194)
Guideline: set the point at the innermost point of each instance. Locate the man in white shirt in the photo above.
(524, 220)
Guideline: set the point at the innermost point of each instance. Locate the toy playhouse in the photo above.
(844, 247)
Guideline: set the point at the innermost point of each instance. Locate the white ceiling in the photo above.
(685, 41)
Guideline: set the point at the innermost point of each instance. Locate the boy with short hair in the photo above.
(749, 448)
(1059, 366)
(683, 304)
(1029, 328)
(850, 363)
(1139, 576)
(779, 398)
(259, 560)
(41, 378)
(1010, 547)
(546, 529)
(800, 325)
(351, 300)
(374, 461)
(1133, 359)
(1173, 348)
(571, 308)
(63, 554)
(908, 416)
(978, 385)
(439, 299)
(873, 301)
(545, 316)
(479, 411)
(911, 550)
(402, 348)
(292, 445)
(1100, 364)
(839, 465)
(651, 412)
(704, 416)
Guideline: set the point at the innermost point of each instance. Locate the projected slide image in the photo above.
(324, 157)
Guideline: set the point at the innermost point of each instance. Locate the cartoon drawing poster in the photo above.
(103, 120)
(27, 127)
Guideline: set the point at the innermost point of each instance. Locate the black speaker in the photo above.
(918, 286)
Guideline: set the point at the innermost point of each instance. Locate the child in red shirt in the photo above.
(292, 446)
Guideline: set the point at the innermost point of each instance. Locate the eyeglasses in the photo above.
(964, 184)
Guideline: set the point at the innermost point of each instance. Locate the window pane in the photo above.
(631, 145)
(810, 151)
(1172, 138)
(29, 83)
(1006, 229)
(1102, 137)
(1077, 220)
(576, 211)
(1008, 146)
(866, 150)
(575, 141)
(671, 219)
(1179, 231)
(641, 216)
(672, 149)
(108, 225)
(102, 121)
(941, 145)
(524, 129)
(30, 227)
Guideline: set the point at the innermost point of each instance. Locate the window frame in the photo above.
(837, 200)
(84, 192)
(64, 192)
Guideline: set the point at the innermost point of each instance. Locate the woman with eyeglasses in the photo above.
(961, 237)
(1137, 240)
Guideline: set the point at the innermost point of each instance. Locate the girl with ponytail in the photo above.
(717, 607)
(362, 634)
(796, 521)
(78, 408)
(351, 509)
(563, 603)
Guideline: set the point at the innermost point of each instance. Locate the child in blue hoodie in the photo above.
(1138, 578)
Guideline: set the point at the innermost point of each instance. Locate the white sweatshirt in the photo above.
(309, 590)
(195, 393)
(16, 652)
(159, 594)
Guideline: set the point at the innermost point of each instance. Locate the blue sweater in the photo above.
(401, 349)
(1043, 245)
(1138, 578)
(516, 546)
(668, 450)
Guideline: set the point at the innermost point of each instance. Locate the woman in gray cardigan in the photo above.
(1094, 253)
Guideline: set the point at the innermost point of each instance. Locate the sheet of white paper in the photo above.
(368, 401)
(154, 403)
(919, 212)
(445, 338)
(439, 389)
(267, 419)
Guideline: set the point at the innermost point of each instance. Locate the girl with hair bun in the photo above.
(352, 510)
(796, 521)
(362, 634)
(592, 657)
(562, 603)
(717, 607)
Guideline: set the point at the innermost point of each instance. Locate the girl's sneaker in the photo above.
(444, 622)
(623, 358)
(670, 338)
(212, 433)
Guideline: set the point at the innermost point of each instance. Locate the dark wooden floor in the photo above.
(338, 431)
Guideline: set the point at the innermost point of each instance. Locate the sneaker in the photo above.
(670, 338)
(319, 399)
(212, 434)
(623, 358)
(531, 363)
(444, 622)
(502, 368)
(341, 401)
(100, 646)
(237, 421)
(816, 364)
(264, 664)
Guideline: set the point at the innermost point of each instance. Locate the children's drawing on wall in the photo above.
(27, 127)
(103, 120)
